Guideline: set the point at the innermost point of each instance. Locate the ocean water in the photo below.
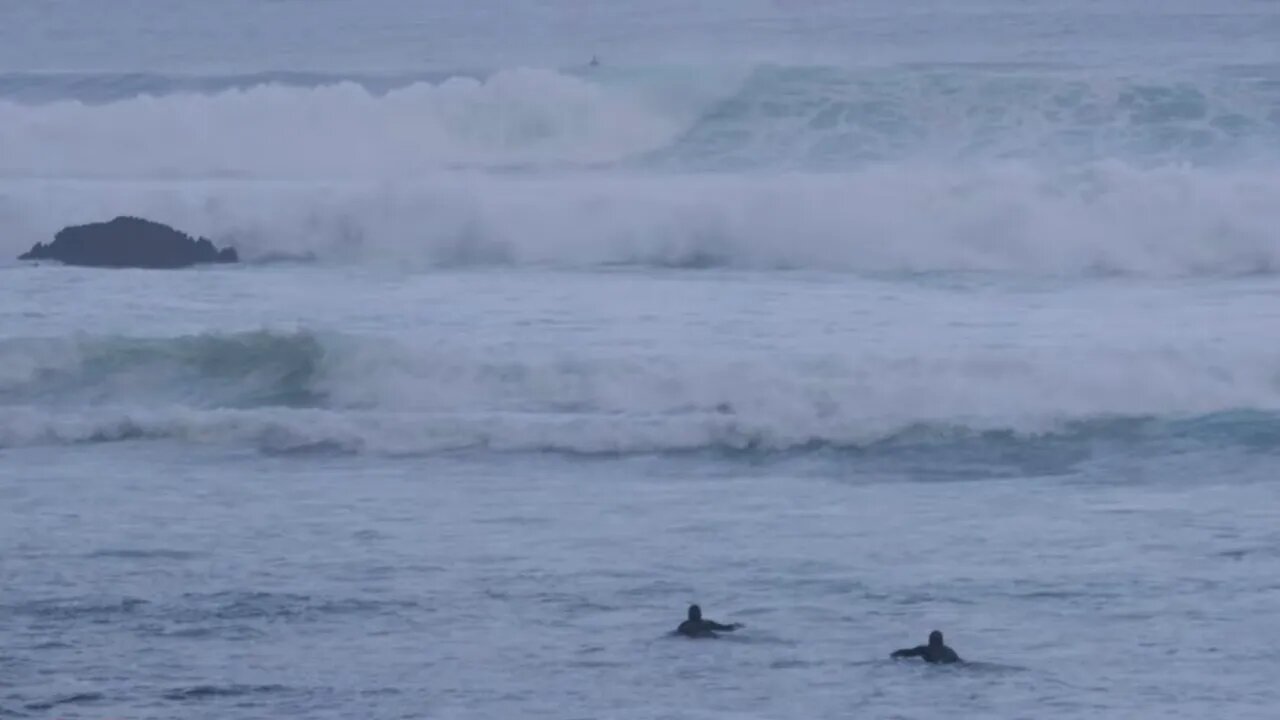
(848, 323)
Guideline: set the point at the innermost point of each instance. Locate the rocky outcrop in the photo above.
(129, 242)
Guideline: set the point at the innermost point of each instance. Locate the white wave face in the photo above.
(889, 170)
(287, 392)
(780, 118)
(675, 118)
(514, 118)
(1109, 218)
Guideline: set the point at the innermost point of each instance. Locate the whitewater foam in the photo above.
(905, 169)
(285, 392)
(1107, 218)
(317, 127)
(514, 118)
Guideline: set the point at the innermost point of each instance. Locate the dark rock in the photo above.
(129, 242)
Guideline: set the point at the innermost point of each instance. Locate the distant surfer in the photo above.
(696, 627)
(595, 62)
(935, 652)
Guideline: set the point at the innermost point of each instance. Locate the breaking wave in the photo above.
(315, 126)
(1105, 219)
(941, 168)
(300, 392)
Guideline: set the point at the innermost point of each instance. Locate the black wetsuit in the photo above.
(696, 627)
(703, 628)
(942, 654)
(935, 652)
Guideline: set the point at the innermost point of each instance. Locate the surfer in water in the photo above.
(935, 652)
(696, 627)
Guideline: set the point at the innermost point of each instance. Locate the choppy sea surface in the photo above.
(847, 323)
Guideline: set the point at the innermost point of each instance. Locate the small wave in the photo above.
(1037, 448)
(78, 607)
(202, 630)
(97, 88)
(247, 605)
(82, 698)
(252, 605)
(205, 692)
(139, 554)
(238, 369)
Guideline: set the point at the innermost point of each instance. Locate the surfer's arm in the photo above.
(909, 652)
(712, 625)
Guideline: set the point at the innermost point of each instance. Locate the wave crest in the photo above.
(251, 369)
(302, 391)
(309, 127)
(1038, 447)
(902, 169)
(1109, 218)
(515, 118)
